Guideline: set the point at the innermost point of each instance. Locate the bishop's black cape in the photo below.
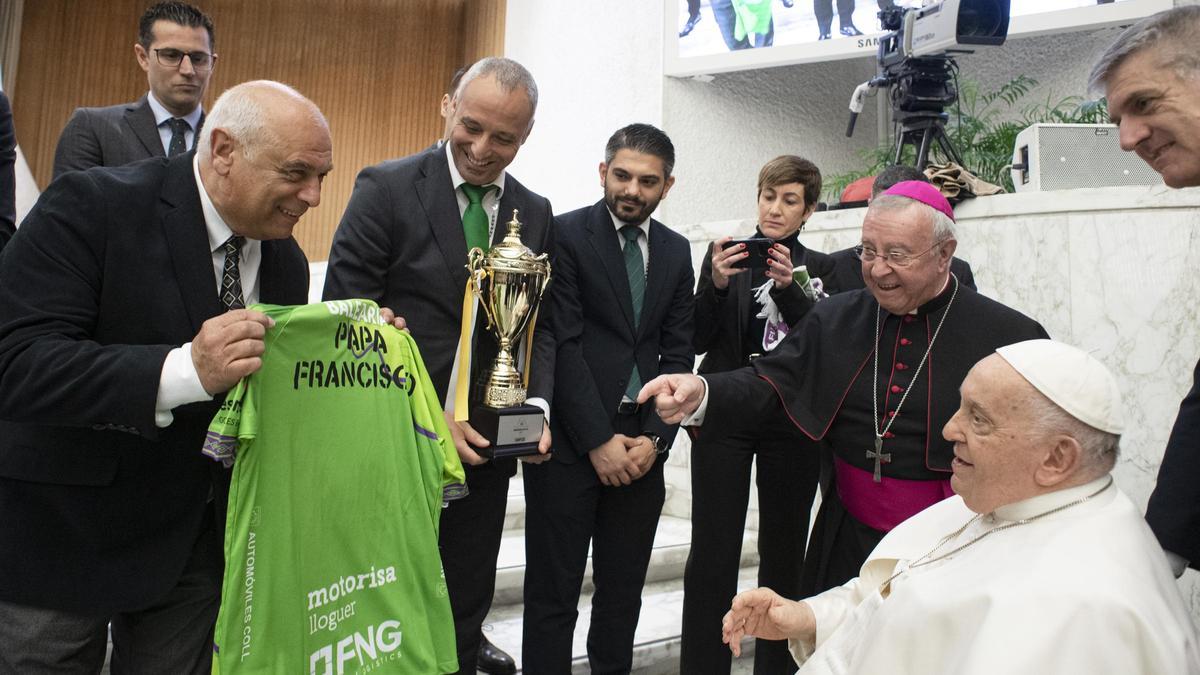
(820, 380)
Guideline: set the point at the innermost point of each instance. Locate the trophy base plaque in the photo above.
(514, 431)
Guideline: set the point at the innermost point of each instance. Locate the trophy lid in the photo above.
(511, 248)
(510, 255)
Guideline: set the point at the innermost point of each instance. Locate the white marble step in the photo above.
(672, 542)
(656, 641)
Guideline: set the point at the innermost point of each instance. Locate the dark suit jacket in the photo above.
(722, 317)
(401, 244)
(8, 184)
(1174, 508)
(111, 136)
(847, 272)
(593, 314)
(109, 272)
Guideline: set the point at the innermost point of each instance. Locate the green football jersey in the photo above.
(331, 540)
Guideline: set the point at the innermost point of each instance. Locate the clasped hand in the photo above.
(623, 459)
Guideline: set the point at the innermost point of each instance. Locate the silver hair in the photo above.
(943, 226)
(509, 75)
(1100, 448)
(1173, 33)
(243, 112)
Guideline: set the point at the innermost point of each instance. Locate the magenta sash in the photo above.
(886, 504)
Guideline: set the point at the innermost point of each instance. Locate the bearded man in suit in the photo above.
(623, 307)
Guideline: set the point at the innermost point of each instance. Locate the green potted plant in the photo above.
(983, 129)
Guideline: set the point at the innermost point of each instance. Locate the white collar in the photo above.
(456, 178)
(1049, 501)
(214, 224)
(644, 226)
(161, 114)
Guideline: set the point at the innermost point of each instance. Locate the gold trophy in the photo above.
(509, 281)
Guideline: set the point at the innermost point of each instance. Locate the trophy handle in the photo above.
(475, 268)
(546, 279)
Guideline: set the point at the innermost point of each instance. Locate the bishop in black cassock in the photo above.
(821, 379)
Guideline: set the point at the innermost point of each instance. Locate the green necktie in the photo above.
(475, 219)
(635, 269)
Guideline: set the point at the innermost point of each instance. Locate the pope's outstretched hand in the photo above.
(762, 613)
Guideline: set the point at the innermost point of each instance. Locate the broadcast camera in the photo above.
(915, 63)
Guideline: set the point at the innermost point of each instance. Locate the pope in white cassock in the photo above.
(1039, 564)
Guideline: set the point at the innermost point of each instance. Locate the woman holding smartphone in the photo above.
(749, 295)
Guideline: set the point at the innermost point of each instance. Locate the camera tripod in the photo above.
(920, 89)
(921, 130)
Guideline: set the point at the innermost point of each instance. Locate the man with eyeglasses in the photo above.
(870, 374)
(175, 48)
(847, 272)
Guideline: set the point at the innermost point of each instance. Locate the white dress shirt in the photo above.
(161, 115)
(179, 383)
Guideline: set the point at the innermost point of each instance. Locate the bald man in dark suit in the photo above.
(403, 241)
(119, 335)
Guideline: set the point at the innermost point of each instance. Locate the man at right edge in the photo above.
(1151, 76)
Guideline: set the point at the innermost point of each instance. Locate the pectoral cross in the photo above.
(880, 457)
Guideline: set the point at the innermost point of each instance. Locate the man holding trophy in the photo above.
(621, 302)
(404, 242)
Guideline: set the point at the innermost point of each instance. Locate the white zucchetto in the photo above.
(1070, 377)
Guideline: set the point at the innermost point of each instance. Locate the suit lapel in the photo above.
(182, 221)
(441, 212)
(140, 119)
(199, 128)
(504, 213)
(656, 277)
(739, 286)
(270, 276)
(603, 237)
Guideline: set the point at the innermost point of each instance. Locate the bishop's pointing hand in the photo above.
(675, 396)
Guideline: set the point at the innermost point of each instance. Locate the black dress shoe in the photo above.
(824, 36)
(850, 31)
(493, 660)
(691, 23)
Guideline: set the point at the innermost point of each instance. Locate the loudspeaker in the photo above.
(1067, 156)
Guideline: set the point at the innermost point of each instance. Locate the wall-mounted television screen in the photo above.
(714, 36)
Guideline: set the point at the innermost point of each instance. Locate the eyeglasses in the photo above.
(171, 58)
(893, 259)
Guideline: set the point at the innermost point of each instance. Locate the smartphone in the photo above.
(757, 247)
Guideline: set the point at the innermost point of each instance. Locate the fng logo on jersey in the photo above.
(378, 644)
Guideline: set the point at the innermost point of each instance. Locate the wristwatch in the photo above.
(660, 445)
